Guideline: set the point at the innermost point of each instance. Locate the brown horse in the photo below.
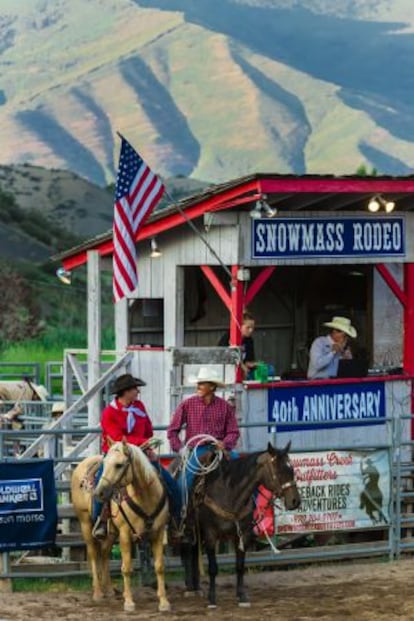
(223, 506)
(139, 510)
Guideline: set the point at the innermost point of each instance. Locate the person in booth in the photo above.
(247, 345)
(126, 417)
(326, 351)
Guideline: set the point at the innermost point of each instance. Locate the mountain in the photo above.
(208, 89)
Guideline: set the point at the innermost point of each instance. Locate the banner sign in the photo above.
(340, 490)
(327, 406)
(28, 511)
(298, 238)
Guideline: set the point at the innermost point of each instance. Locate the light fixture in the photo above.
(378, 201)
(155, 251)
(262, 209)
(389, 206)
(373, 205)
(64, 275)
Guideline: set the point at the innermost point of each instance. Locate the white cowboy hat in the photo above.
(40, 391)
(343, 324)
(207, 375)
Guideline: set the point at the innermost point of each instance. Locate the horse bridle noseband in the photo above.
(283, 487)
(121, 473)
(148, 519)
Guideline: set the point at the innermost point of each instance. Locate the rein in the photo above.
(227, 515)
(237, 516)
(148, 518)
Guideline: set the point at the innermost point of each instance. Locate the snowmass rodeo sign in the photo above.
(298, 238)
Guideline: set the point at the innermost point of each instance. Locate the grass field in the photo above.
(50, 348)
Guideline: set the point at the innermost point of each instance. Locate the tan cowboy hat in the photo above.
(343, 324)
(207, 375)
(40, 391)
(58, 408)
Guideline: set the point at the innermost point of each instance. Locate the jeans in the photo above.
(97, 505)
(186, 478)
(171, 486)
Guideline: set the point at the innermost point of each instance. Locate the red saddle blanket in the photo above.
(263, 514)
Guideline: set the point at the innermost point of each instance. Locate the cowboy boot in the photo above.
(100, 529)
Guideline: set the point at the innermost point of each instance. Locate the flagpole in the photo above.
(197, 232)
(191, 224)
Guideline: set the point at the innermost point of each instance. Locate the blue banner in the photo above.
(296, 238)
(28, 511)
(326, 406)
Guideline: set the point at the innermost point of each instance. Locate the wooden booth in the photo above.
(295, 251)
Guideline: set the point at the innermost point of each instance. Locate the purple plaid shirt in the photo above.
(217, 419)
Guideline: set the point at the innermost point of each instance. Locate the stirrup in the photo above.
(100, 530)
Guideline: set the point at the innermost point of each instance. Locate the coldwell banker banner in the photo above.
(298, 238)
(28, 512)
(339, 490)
(326, 406)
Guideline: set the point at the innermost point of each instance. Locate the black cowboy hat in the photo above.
(126, 381)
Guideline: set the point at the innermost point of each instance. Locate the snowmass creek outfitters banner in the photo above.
(298, 238)
(28, 511)
(327, 406)
(340, 490)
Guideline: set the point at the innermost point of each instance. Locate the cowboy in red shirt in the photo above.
(125, 417)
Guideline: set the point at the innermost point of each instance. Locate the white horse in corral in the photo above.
(22, 390)
(18, 391)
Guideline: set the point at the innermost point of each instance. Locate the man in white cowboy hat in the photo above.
(327, 351)
(202, 414)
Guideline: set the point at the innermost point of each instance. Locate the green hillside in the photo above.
(43, 212)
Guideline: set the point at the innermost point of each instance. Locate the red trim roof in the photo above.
(239, 191)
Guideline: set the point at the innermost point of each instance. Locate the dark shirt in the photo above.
(247, 346)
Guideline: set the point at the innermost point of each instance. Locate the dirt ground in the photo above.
(341, 592)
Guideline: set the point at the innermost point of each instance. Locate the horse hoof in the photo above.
(129, 607)
(244, 604)
(166, 607)
(211, 606)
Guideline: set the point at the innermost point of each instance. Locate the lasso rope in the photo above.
(189, 451)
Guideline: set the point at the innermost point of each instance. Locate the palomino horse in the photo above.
(139, 509)
(223, 505)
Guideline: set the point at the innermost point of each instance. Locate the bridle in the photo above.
(280, 488)
(122, 471)
(117, 486)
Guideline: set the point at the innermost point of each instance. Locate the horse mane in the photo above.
(240, 469)
(236, 470)
(140, 463)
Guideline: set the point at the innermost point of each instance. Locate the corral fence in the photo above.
(388, 538)
(387, 465)
(19, 370)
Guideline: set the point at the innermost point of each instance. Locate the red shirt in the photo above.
(131, 423)
(216, 419)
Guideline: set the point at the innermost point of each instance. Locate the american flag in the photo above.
(137, 192)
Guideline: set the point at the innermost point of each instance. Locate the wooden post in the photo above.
(173, 306)
(121, 326)
(94, 342)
